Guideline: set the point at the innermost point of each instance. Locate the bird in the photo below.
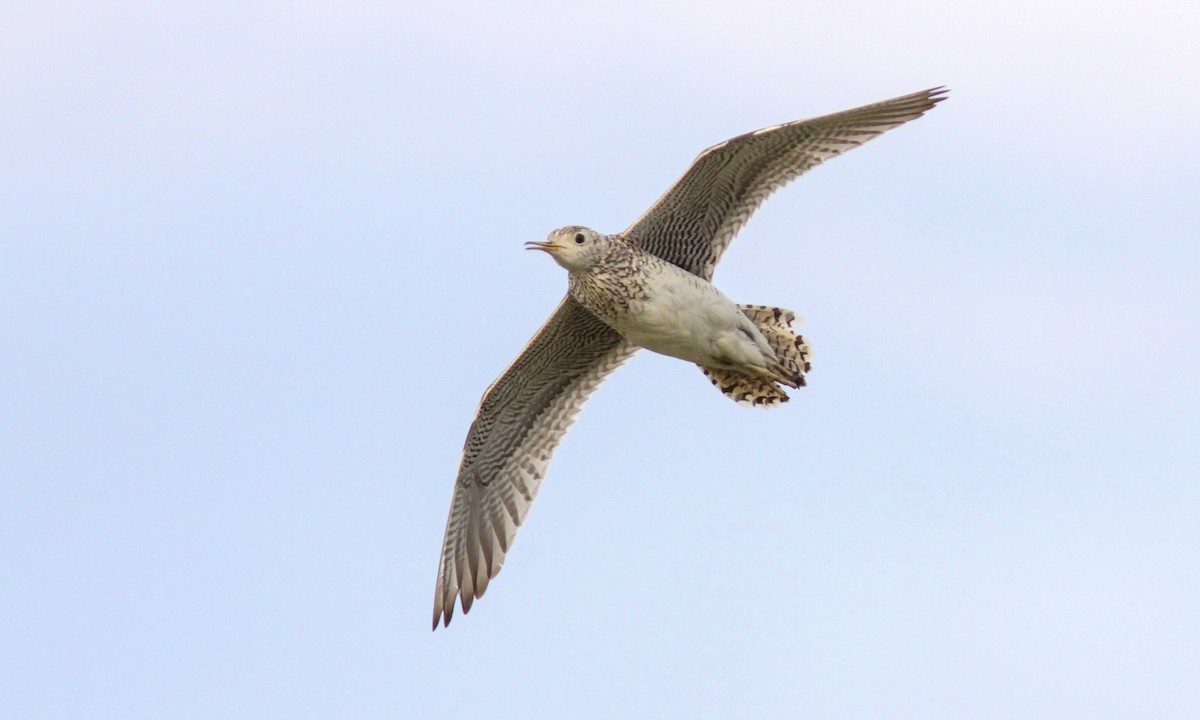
(650, 287)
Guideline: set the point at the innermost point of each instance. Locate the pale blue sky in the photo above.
(258, 265)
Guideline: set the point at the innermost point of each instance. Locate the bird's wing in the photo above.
(695, 220)
(520, 421)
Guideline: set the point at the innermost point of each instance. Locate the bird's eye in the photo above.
(579, 238)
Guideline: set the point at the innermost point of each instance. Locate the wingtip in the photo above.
(920, 102)
(442, 616)
(937, 94)
(443, 605)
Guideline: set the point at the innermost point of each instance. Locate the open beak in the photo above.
(546, 246)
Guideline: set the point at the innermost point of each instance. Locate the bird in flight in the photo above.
(647, 287)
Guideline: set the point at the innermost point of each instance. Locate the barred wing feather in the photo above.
(521, 419)
(697, 218)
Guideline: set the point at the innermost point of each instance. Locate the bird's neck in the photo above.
(608, 285)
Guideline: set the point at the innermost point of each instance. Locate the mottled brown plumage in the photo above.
(526, 411)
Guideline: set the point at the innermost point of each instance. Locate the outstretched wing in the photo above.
(695, 220)
(520, 421)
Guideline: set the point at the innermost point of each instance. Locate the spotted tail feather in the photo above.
(745, 390)
(792, 352)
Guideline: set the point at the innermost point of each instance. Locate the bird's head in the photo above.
(573, 247)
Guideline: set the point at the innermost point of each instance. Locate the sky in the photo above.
(258, 263)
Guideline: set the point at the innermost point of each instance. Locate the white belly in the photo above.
(687, 318)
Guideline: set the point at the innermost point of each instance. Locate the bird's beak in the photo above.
(546, 246)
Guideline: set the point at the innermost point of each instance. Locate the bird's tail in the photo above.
(793, 360)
